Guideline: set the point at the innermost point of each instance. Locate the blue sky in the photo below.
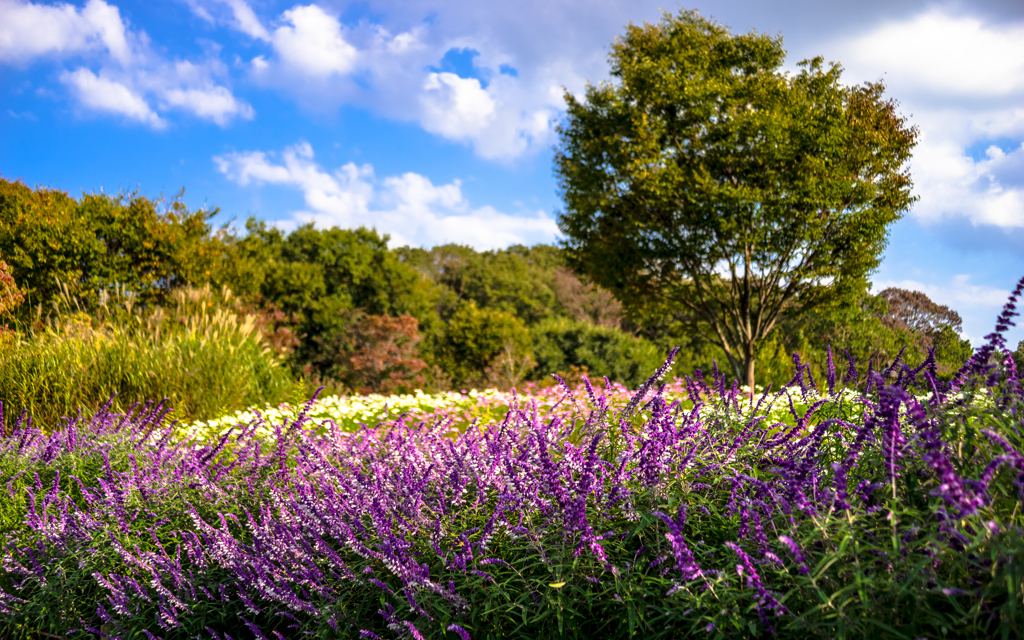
(434, 121)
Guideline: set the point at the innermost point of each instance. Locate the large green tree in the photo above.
(706, 180)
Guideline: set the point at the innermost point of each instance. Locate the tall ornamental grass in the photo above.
(872, 513)
(201, 356)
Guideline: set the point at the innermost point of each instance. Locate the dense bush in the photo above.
(869, 512)
(379, 355)
(475, 339)
(199, 354)
(559, 345)
(322, 280)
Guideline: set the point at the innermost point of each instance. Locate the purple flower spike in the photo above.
(462, 633)
(797, 554)
(766, 602)
(685, 562)
(831, 372)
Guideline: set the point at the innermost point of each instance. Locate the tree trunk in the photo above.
(749, 366)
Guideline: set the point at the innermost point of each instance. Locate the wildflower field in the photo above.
(872, 503)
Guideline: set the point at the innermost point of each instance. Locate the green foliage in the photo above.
(951, 351)
(515, 280)
(559, 345)
(475, 338)
(319, 277)
(307, 289)
(45, 238)
(707, 180)
(199, 354)
(49, 239)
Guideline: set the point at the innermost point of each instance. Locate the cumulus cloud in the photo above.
(216, 104)
(457, 108)
(312, 42)
(132, 80)
(391, 68)
(961, 78)
(105, 95)
(953, 185)
(938, 52)
(410, 207)
(29, 31)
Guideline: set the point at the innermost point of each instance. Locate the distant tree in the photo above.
(509, 280)
(323, 280)
(951, 351)
(560, 345)
(45, 238)
(916, 311)
(932, 325)
(584, 301)
(708, 180)
(383, 356)
(148, 246)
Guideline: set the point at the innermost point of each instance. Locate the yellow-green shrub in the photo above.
(202, 356)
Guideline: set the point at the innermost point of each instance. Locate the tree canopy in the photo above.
(710, 184)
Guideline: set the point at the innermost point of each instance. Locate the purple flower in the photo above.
(797, 553)
(685, 562)
(463, 635)
(766, 602)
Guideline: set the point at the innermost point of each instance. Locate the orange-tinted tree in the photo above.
(382, 356)
(10, 294)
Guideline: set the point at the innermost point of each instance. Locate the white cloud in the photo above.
(941, 52)
(393, 72)
(132, 80)
(987, 191)
(216, 104)
(246, 20)
(410, 208)
(102, 94)
(457, 108)
(242, 17)
(962, 81)
(313, 43)
(30, 30)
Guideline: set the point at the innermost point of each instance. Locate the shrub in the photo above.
(198, 354)
(559, 345)
(382, 356)
(475, 339)
(50, 240)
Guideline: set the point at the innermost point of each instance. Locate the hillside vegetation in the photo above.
(340, 308)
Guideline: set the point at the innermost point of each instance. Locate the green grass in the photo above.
(205, 359)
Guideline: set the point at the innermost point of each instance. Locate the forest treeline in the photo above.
(342, 309)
